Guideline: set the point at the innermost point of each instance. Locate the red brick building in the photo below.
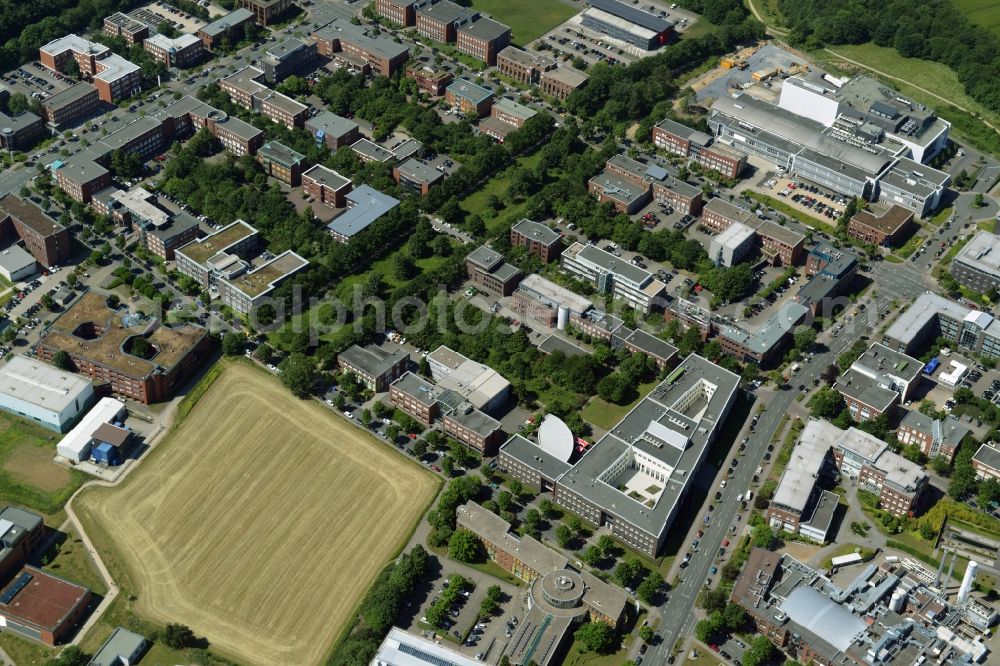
(540, 241)
(431, 81)
(722, 158)
(46, 240)
(439, 21)
(683, 197)
(402, 12)
(488, 269)
(889, 229)
(523, 66)
(483, 38)
(560, 82)
(326, 186)
(71, 105)
(81, 180)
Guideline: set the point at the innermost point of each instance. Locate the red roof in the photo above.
(45, 601)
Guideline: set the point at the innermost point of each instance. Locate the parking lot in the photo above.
(35, 81)
(180, 20)
(810, 199)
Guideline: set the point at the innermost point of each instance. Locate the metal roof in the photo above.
(41, 385)
(366, 206)
(819, 614)
(632, 15)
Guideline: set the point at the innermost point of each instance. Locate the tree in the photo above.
(17, 104)
(760, 652)
(591, 556)
(710, 628)
(547, 508)
(233, 344)
(464, 546)
(646, 634)
(713, 600)
(825, 403)
(804, 339)
(606, 545)
(392, 432)
(177, 636)
(298, 374)
(448, 466)
(141, 347)
(62, 360)
(403, 267)
(505, 500)
(419, 447)
(626, 572)
(71, 656)
(491, 602)
(762, 537)
(564, 536)
(649, 587)
(735, 617)
(516, 488)
(126, 165)
(597, 637)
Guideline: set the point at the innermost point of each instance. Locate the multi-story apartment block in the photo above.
(68, 107)
(561, 81)
(523, 66)
(281, 162)
(326, 186)
(610, 275)
(181, 52)
(124, 27)
(483, 38)
(429, 79)
(540, 241)
(888, 229)
(439, 20)
(358, 45)
(97, 340)
(468, 97)
(977, 265)
(286, 58)
(266, 11)
(250, 290)
(934, 437)
(228, 27)
(333, 130)
(986, 462)
(46, 240)
(488, 269)
(374, 366)
(219, 255)
(932, 316)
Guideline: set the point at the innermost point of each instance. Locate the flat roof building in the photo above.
(478, 384)
(932, 316)
(374, 366)
(880, 378)
(934, 437)
(250, 290)
(17, 264)
(326, 186)
(977, 265)
(561, 82)
(800, 505)
(482, 38)
(181, 51)
(227, 26)
(281, 162)
(342, 39)
(627, 23)
(488, 269)
(547, 303)
(986, 461)
(524, 66)
(467, 97)
(123, 647)
(400, 648)
(69, 106)
(222, 254)
(46, 240)
(765, 344)
(733, 245)
(266, 11)
(888, 229)
(332, 130)
(609, 274)
(416, 175)
(539, 240)
(365, 206)
(44, 394)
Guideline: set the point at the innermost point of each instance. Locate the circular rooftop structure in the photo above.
(562, 588)
(555, 438)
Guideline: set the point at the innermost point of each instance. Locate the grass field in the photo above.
(260, 521)
(497, 186)
(604, 414)
(27, 474)
(984, 12)
(528, 19)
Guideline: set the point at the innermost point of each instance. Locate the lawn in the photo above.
(475, 203)
(604, 414)
(260, 521)
(528, 19)
(25, 652)
(28, 476)
(984, 12)
(73, 563)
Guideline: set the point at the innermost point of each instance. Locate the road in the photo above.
(892, 282)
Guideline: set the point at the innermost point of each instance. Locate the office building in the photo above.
(123, 647)
(524, 66)
(489, 270)
(482, 38)
(70, 106)
(432, 81)
(699, 147)
(232, 27)
(733, 245)
(365, 205)
(934, 437)
(986, 462)
(628, 24)
(50, 397)
(126, 28)
(244, 88)
(561, 82)
(468, 98)
(291, 56)
(81, 178)
(358, 47)
(880, 379)
(266, 11)
(506, 116)
(114, 77)
(25, 130)
(611, 275)
(181, 52)
(164, 240)
(332, 130)
(977, 265)
(281, 162)
(97, 340)
(326, 186)
(899, 484)
(932, 316)
(890, 228)
(223, 254)
(375, 367)
(46, 240)
(402, 12)
(914, 186)
(416, 175)
(539, 240)
(800, 504)
(440, 20)
(16, 264)
(546, 303)
(248, 291)
(475, 383)
(400, 648)
(764, 345)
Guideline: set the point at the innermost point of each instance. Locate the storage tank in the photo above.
(562, 318)
(967, 581)
(897, 601)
